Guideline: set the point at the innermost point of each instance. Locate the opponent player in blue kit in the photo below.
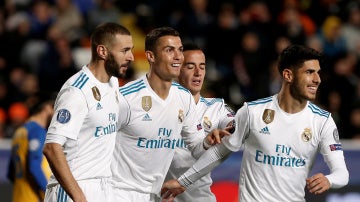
(28, 168)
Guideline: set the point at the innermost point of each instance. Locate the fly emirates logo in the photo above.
(162, 140)
(282, 158)
(108, 129)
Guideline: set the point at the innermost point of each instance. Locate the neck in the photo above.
(196, 97)
(40, 119)
(158, 85)
(290, 104)
(97, 68)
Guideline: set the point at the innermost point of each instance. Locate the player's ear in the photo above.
(287, 75)
(150, 56)
(101, 51)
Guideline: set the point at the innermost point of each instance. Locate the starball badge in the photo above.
(268, 116)
(96, 93)
(306, 135)
(146, 103)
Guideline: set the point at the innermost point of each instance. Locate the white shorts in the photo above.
(95, 190)
(122, 195)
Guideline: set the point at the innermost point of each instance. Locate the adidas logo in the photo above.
(98, 107)
(265, 130)
(146, 118)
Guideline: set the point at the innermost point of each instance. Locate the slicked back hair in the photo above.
(153, 36)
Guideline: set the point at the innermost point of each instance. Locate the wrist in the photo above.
(206, 145)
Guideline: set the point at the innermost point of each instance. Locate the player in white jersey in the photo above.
(281, 136)
(162, 118)
(211, 112)
(88, 112)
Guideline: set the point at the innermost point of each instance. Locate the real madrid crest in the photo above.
(268, 116)
(207, 123)
(146, 103)
(306, 135)
(181, 115)
(96, 93)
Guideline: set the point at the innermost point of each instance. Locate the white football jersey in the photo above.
(145, 147)
(87, 114)
(213, 113)
(279, 148)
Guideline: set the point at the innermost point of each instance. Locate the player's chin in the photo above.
(311, 96)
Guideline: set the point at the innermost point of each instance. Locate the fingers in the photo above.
(317, 184)
(215, 136)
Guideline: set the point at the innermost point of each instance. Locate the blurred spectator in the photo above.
(18, 113)
(2, 123)
(225, 26)
(16, 77)
(351, 27)
(355, 122)
(344, 82)
(195, 23)
(251, 72)
(57, 64)
(103, 11)
(41, 17)
(69, 20)
(15, 37)
(294, 23)
(4, 94)
(332, 42)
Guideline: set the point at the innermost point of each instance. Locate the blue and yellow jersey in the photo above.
(31, 170)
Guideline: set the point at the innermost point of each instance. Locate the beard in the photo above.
(112, 67)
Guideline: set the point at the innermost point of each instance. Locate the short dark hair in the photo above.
(104, 34)
(153, 36)
(190, 46)
(294, 56)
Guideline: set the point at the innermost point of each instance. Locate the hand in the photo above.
(214, 137)
(317, 183)
(170, 190)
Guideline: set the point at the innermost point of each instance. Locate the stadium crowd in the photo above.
(241, 40)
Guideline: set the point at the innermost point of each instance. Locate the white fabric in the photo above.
(145, 147)
(90, 125)
(279, 153)
(95, 190)
(212, 113)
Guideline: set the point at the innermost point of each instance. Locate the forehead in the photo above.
(194, 55)
(173, 41)
(311, 64)
(122, 41)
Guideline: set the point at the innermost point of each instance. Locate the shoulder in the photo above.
(317, 111)
(260, 102)
(180, 88)
(212, 101)
(132, 87)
